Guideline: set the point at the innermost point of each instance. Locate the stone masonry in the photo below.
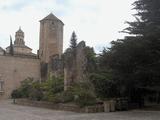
(18, 62)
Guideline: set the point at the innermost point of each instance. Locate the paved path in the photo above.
(9, 111)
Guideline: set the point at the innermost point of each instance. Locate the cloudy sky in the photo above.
(95, 21)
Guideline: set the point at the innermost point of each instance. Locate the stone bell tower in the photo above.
(19, 38)
(51, 38)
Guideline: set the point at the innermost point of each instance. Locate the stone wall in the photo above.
(14, 69)
(75, 66)
(61, 106)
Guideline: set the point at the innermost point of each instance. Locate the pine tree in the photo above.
(147, 22)
(11, 51)
(147, 31)
(135, 60)
(73, 41)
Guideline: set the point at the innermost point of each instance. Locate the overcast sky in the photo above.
(97, 22)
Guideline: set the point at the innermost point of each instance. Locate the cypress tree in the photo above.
(135, 60)
(11, 51)
(73, 41)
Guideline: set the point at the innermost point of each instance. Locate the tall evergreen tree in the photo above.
(147, 31)
(135, 60)
(11, 51)
(73, 41)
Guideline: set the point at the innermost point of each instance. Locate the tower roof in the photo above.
(20, 31)
(51, 16)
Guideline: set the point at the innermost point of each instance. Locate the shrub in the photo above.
(16, 94)
(83, 94)
(105, 86)
(36, 92)
(68, 96)
(51, 87)
(52, 90)
(24, 90)
(25, 87)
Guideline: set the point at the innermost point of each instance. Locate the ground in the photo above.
(9, 111)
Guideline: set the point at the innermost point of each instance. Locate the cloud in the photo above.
(14, 5)
(95, 21)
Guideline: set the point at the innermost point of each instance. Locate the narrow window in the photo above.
(1, 86)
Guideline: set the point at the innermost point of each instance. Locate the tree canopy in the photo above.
(135, 60)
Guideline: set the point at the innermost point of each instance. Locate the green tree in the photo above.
(135, 60)
(51, 87)
(73, 41)
(91, 59)
(11, 50)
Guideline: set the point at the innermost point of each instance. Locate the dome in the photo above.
(19, 31)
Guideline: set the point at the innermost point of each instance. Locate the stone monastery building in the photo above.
(18, 62)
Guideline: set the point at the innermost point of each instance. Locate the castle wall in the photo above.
(15, 69)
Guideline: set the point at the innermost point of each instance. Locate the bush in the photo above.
(24, 90)
(105, 86)
(52, 90)
(51, 87)
(64, 97)
(80, 93)
(16, 94)
(26, 87)
(83, 94)
(36, 92)
(68, 96)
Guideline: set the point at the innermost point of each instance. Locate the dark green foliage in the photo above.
(24, 90)
(91, 59)
(11, 50)
(105, 86)
(51, 87)
(63, 97)
(67, 96)
(73, 41)
(26, 87)
(16, 94)
(83, 94)
(52, 90)
(36, 91)
(69, 56)
(135, 60)
(148, 19)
